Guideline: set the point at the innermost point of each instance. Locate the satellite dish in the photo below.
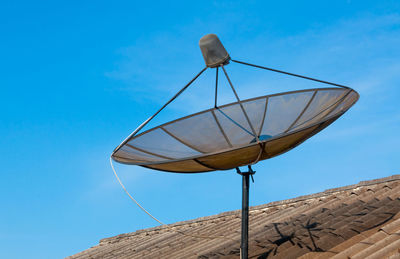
(237, 134)
(221, 138)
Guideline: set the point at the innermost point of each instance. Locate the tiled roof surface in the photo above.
(356, 221)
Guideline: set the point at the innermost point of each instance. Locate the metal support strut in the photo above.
(157, 112)
(244, 243)
(290, 74)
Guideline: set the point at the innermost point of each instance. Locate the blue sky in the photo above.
(78, 77)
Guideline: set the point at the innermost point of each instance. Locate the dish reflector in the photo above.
(221, 138)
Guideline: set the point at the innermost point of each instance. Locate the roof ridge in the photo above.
(395, 177)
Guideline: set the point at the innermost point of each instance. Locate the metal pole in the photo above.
(244, 246)
(244, 242)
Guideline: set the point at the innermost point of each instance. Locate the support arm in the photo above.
(155, 114)
(290, 74)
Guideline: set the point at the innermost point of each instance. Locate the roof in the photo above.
(356, 221)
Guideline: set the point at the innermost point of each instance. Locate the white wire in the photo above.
(130, 196)
(148, 213)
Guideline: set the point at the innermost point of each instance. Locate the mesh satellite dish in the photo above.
(236, 134)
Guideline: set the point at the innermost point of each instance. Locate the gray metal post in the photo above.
(244, 243)
(244, 246)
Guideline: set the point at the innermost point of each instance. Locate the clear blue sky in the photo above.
(78, 77)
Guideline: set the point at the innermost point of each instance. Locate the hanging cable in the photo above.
(130, 196)
(168, 228)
